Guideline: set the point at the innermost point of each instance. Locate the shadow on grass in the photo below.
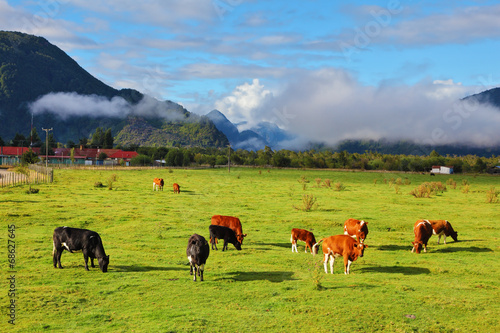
(285, 245)
(276, 276)
(133, 268)
(405, 270)
(393, 247)
(463, 249)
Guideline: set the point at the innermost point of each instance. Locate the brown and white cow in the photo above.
(158, 184)
(341, 246)
(356, 228)
(443, 228)
(230, 222)
(423, 231)
(302, 235)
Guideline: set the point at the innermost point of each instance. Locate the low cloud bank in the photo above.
(330, 105)
(70, 104)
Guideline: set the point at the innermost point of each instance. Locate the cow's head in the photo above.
(103, 263)
(361, 248)
(362, 231)
(454, 235)
(417, 246)
(237, 245)
(240, 237)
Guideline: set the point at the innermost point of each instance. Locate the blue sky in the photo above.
(327, 70)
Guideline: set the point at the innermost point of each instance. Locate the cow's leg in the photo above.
(57, 257)
(224, 247)
(325, 262)
(425, 247)
(86, 258)
(201, 269)
(294, 245)
(347, 266)
(332, 261)
(444, 238)
(194, 275)
(92, 262)
(190, 268)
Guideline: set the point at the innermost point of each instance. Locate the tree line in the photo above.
(178, 156)
(322, 158)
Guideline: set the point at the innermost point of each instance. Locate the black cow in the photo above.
(75, 240)
(197, 252)
(225, 233)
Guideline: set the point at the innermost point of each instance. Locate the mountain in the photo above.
(248, 140)
(37, 78)
(273, 134)
(491, 96)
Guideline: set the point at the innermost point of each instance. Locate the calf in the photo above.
(443, 228)
(228, 234)
(302, 235)
(356, 228)
(197, 252)
(158, 184)
(341, 246)
(177, 188)
(423, 231)
(75, 240)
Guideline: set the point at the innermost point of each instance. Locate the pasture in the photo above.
(265, 287)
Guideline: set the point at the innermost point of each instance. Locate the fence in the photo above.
(37, 174)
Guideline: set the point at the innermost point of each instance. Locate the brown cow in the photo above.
(302, 235)
(443, 228)
(341, 246)
(158, 184)
(177, 188)
(423, 231)
(230, 222)
(356, 228)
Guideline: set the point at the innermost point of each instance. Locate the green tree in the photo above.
(141, 160)
(19, 140)
(35, 139)
(29, 157)
(97, 138)
(108, 139)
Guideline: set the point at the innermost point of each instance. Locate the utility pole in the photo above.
(229, 159)
(47, 130)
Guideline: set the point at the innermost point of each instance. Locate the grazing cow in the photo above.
(75, 240)
(225, 233)
(158, 184)
(356, 228)
(443, 228)
(302, 235)
(197, 252)
(423, 231)
(230, 222)
(177, 188)
(341, 246)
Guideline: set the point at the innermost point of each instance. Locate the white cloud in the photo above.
(247, 103)
(330, 105)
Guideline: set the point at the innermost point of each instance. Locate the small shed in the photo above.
(445, 170)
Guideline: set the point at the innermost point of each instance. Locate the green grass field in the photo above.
(265, 287)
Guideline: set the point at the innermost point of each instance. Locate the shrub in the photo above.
(327, 183)
(98, 184)
(451, 183)
(339, 186)
(318, 181)
(492, 195)
(465, 189)
(427, 189)
(308, 203)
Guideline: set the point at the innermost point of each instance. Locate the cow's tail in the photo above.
(315, 246)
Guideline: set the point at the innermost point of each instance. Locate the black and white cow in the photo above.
(225, 233)
(76, 240)
(197, 252)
